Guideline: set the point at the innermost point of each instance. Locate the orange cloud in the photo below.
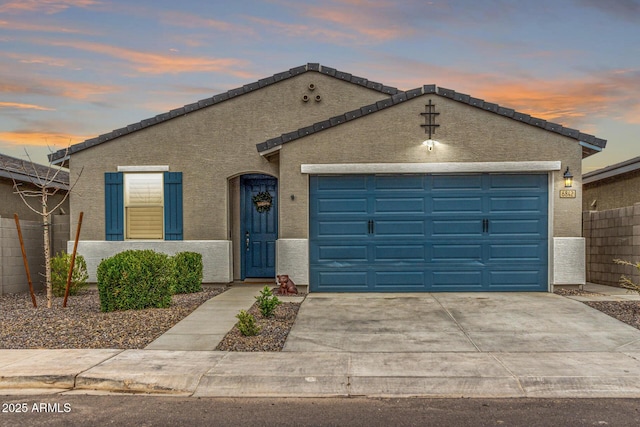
(63, 88)
(345, 21)
(21, 106)
(572, 101)
(44, 6)
(363, 20)
(21, 26)
(154, 63)
(41, 139)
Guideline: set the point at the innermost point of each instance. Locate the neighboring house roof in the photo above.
(33, 173)
(590, 144)
(628, 166)
(61, 155)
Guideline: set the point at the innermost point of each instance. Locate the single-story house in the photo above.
(611, 221)
(29, 176)
(344, 184)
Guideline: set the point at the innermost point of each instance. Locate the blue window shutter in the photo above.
(173, 205)
(113, 206)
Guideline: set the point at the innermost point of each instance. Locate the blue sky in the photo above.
(74, 69)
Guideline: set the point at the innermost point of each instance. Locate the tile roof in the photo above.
(33, 173)
(627, 166)
(61, 155)
(590, 144)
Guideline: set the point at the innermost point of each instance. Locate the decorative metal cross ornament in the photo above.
(430, 119)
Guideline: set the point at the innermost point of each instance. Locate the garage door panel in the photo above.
(342, 253)
(518, 228)
(520, 280)
(500, 253)
(340, 229)
(398, 280)
(349, 183)
(536, 183)
(391, 182)
(342, 206)
(447, 280)
(400, 253)
(457, 182)
(455, 253)
(517, 204)
(341, 281)
(457, 228)
(400, 228)
(443, 205)
(411, 205)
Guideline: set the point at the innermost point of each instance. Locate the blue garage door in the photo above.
(388, 233)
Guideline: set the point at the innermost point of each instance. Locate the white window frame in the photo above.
(128, 206)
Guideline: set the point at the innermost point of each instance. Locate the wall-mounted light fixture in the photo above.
(568, 178)
(429, 143)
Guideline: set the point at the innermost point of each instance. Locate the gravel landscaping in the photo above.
(273, 330)
(625, 311)
(83, 325)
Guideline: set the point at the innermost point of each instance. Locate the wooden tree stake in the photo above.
(73, 260)
(26, 262)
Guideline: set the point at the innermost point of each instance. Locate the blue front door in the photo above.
(480, 232)
(259, 227)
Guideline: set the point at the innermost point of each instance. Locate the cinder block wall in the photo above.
(13, 278)
(612, 234)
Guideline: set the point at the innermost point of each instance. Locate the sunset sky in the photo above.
(73, 69)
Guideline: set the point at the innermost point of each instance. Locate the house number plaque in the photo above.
(567, 194)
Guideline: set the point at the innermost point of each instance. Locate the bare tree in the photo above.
(42, 183)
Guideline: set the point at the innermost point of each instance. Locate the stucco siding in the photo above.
(394, 135)
(210, 146)
(612, 193)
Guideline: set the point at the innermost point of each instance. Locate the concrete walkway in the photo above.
(612, 369)
(208, 324)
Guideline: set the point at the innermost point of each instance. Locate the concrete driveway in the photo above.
(455, 322)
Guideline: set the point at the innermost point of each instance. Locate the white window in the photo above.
(144, 206)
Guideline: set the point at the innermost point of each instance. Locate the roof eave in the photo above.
(207, 102)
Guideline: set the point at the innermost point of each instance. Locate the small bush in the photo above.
(188, 268)
(247, 324)
(267, 302)
(60, 270)
(136, 279)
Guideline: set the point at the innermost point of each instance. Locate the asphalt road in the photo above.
(125, 410)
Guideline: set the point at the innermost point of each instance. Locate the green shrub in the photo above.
(247, 324)
(188, 269)
(267, 302)
(136, 279)
(60, 270)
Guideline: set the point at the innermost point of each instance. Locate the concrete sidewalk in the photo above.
(540, 372)
(229, 374)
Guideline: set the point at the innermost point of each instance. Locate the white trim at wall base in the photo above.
(569, 261)
(217, 264)
(468, 167)
(292, 258)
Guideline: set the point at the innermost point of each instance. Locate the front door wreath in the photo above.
(262, 201)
